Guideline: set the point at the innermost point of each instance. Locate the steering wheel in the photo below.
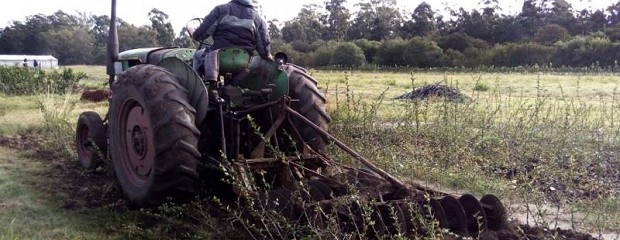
(191, 27)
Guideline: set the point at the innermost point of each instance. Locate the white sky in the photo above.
(136, 11)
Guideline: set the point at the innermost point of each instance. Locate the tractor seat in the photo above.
(233, 60)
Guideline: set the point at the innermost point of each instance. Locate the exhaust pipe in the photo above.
(112, 54)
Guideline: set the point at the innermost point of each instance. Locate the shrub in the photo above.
(348, 55)
(369, 47)
(523, 54)
(587, 51)
(550, 34)
(461, 41)
(423, 53)
(339, 54)
(390, 53)
(24, 81)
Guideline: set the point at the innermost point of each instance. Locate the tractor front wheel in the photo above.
(153, 137)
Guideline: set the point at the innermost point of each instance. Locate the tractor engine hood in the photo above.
(153, 56)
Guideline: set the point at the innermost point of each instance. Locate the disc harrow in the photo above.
(382, 210)
(365, 200)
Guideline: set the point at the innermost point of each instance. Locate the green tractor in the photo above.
(259, 131)
(165, 125)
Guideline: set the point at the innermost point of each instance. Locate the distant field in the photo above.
(549, 140)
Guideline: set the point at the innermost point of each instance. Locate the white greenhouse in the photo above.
(42, 61)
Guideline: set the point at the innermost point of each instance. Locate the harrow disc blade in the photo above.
(279, 200)
(495, 211)
(322, 188)
(438, 213)
(390, 218)
(476, 217)
(457, 222)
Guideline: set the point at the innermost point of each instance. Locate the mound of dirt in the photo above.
(96, 95)
(536, 233)
(434, 91)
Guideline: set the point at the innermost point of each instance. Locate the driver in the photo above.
(235, 24)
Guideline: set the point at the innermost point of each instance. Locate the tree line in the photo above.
(378, 33)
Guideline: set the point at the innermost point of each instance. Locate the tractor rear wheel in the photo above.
(153, 137)
(90, 137)
(310, 104)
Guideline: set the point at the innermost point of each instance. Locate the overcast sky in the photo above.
(136, 11)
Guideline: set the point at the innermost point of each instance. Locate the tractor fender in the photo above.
(191, 81)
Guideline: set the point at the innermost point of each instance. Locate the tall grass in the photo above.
(58, 128)
(558, 151)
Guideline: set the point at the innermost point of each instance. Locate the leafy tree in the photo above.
(274, 32)
(70, 45)
(509, 29)
(585, 51)
(614, 13)
(163, 27)
(561, 13)
(598, 21)
(12, 39)
(473, 24)
(337, 22)
(348, 55)
(422, 22)
(306, 26)
(376, 20)
(368, 47)
(423, 53)
(135, 37)
(99, 26)
(530, 18)
(550, 34)
(460, 42)
(613, 33)
(292, 31)
(522, 54)
(390, 53)
(184, 39)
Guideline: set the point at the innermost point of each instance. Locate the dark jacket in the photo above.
(235, 24)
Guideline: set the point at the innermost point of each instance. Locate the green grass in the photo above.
(520, 136)
(26, 213)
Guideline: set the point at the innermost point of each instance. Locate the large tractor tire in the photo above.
(90, 138)
(153, 137)
(310, 104)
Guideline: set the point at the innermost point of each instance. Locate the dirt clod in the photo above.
(96, 95)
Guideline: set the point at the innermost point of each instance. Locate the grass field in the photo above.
(547, 144)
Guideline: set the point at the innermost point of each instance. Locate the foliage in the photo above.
(57, 127)
(337, 22)
(423, 53)
(479, 37)
(526, 54)
(25, 81)
(390, 53)
(163, 27)
(348, 55)
(369, 47)
(550, 34)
